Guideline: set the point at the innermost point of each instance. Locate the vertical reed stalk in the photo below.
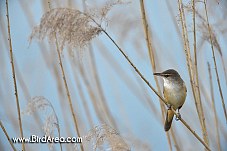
(225, 73)
(7, 135)
(195, 51)
(68, 93)
(14, 75)
(187, 53)
(195, 88)
(214, 59)
(214, 109)
(152, 61)
(66, 88)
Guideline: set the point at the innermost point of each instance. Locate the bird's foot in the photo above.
(169, 106)
(178, 117)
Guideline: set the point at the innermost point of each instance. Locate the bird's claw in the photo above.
(178, 117)
(169, 106)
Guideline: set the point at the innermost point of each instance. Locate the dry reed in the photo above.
(7, 135)
(14, 75)
(214, 109)
(39, 103)
(196, 91)
(151, 87)
(214, 59)
(105, 134)
(152, 61)
(90, 91)
(68, 93)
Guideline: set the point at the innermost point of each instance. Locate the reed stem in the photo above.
(214, 59)
(7, 135)
(68, 93)
(14, 75)
(195, 88)
(214, 108)
(153, 89)
(152, 61)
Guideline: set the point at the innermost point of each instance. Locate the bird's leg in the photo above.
(178, 116)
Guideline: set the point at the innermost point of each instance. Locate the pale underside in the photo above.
(174, 93)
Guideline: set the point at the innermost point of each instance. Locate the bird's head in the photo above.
(168, 74)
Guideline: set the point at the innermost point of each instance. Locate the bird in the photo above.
(175, 92)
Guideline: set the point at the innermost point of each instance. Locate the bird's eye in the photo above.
(167, 75)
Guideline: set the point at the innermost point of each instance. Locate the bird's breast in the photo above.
(174, 93)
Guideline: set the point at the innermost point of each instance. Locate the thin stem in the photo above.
(147, 35)
(59, 135)
(214, 109)
(133, 87)
(66, 87)
(196, 92)
(151, 87)
(215, 64)
(194, 133)
(57, 124)
(68, 93)
(187, 53)
(6, 134)
(195, 50)
(14, 75)
(205, 134)
(135, 68)
(152, 61)
(223, 65)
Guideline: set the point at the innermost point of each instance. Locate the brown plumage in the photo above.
(174, 91)
(169, 119)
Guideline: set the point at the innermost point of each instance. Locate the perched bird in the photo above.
(175, 92)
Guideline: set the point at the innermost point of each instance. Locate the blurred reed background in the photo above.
(78, 83)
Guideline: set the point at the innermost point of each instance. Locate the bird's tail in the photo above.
(169, 119)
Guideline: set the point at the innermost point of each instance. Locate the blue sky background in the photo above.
(136, 122)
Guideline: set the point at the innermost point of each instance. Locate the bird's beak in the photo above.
(158, 74)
